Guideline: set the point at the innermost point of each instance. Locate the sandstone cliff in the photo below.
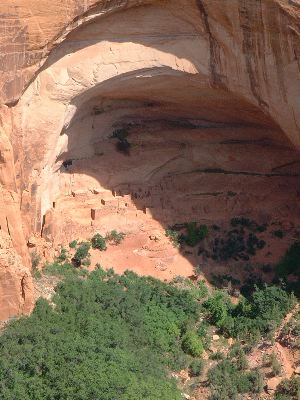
(16, 290)
(176, 70)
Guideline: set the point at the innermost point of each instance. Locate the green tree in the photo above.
(99, 242)
(82, 253)
(192, 344)
(218, 307)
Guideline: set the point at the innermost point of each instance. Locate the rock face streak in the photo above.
(173, 74)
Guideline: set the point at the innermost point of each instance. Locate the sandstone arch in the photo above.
(99, 51)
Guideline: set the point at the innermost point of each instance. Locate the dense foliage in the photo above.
(108, 337)
(227, 381)
(192, 344)
(257, 315)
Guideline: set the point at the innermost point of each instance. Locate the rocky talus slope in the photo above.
(190, 108)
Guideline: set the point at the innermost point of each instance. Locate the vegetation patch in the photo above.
(108, 337)
(63, 255)
(63, 270)
(248, 223)
(228, 381)
(122, 145)
(192, 344)
(82, 255)
(289, 389)
(193, 234)
(196, 367)
(174, 236)
(73, 244)
(98, 242)
(254, 317)
(240, 243)
(115, 237)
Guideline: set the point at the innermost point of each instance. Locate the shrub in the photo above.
(233, 246)
(279, 233)
(253, 244)
(174, 237)
(115, 237)
(289, 388)
(274, 364)
(194, 234)
(63, 256)
(217, 356)
(98, 242)
(227, 382)
(222, 380)
(202, 290)
(204, 332)
(225, 279)
(192, 344)
(256, 381)
(248, 223)
(120, 133)
(73, 244)
(282, 397)
(82, 253)
(240, 221)
(231, 194)
(122, 144)
(290, 263)
(218, 308)
(196, 367)
(238, 355)
(65, 270)
(236, 246)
